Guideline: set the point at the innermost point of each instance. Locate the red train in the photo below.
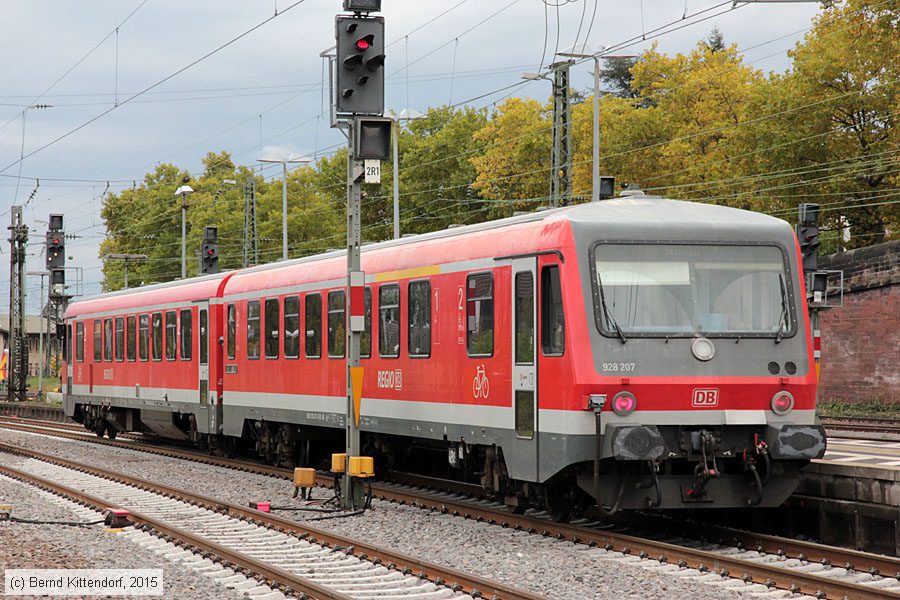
(638, 351)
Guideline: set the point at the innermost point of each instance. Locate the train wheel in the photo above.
(100, 428)
(229, 446)
(560, 502)
(111, 431)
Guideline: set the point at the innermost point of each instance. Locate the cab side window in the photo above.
(553, 321)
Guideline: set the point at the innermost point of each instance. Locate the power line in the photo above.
(154, 85)
(79, 61)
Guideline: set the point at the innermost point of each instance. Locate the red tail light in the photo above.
(624, 403)
(782, 403)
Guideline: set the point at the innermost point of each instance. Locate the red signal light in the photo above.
(362, 44)
(209, 252)
(56, 241)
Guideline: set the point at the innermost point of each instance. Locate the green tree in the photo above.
(516, 162)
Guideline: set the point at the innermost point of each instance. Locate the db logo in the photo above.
(705, 398)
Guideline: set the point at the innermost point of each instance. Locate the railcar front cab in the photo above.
(708, 392)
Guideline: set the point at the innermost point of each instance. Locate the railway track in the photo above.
(279, 553)
(771, 561)
(863, 424)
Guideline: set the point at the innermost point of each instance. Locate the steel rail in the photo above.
(862, 424)
(766, 574)
(874, 564)
(760, 573)
(251, 566)
(63, 426)
(457, 580)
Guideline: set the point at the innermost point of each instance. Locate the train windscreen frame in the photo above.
(686, 289)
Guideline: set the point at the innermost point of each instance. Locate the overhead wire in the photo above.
(156, 84)
(80, 60)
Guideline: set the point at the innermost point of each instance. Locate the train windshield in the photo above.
(662, 290)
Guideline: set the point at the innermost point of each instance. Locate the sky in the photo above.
(262, 95)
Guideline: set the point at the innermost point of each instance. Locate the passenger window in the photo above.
(157, 336)
(313, 326)
(120, 339)
(131, 339)
(253, 329)
(144, 336)
(336, 324)
(187, 335)
(389, 321)
(273, 325)
(292, 327)
(232, 330)
(419, 319)
(553, 322)
(171, 335)
(79, 341)
(365, 340)
(98, 340)
(204, 337)
(480, 314)
(107, 340)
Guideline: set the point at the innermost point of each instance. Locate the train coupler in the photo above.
(706, 469)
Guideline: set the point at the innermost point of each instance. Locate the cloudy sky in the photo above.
(262, 94)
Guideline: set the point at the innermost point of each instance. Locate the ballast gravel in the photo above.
(33, 546)
(556, 569)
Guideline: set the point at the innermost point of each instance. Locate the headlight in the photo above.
(782, 403)
(624, 403)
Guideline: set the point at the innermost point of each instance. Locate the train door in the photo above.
(524, 362)
(206, 405)
(70, 357)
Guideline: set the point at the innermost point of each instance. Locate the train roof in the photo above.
(181, 290)
(639, 216)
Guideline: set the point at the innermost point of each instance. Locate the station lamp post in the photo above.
(284, 212)
(184, 191)
(597, 57)
(407, 114)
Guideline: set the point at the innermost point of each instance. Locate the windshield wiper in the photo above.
(782, 322)
(610, 320)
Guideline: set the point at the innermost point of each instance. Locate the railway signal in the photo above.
(209, 262)
(808, 236)
(56, 243)
(360, 64)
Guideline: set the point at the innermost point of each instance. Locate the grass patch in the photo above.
(865, 408)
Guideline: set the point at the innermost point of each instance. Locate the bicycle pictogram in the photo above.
(481, 387)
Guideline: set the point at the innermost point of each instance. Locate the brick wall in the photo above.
(861, 340)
